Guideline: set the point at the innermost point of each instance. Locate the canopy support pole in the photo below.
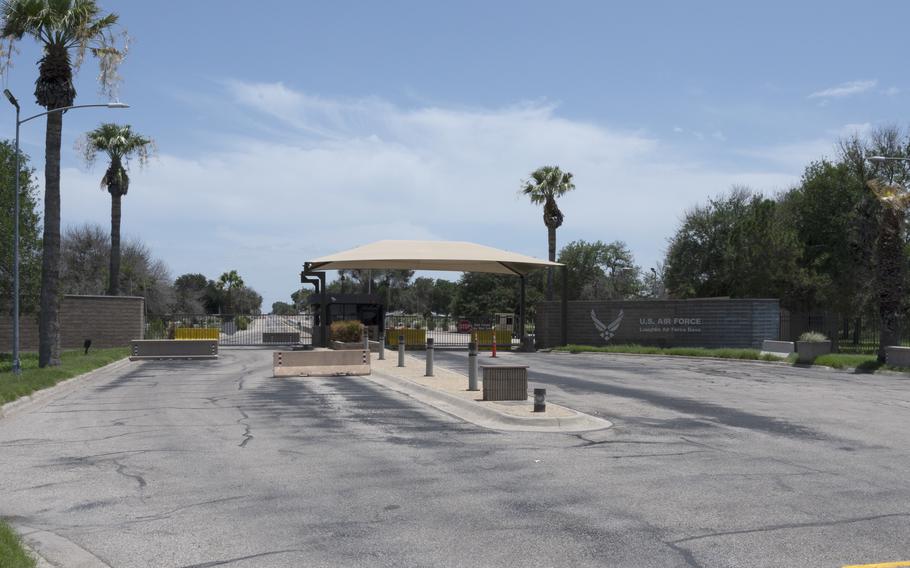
(565, 305)
(324, 309)
(322, 292)
(521, 313)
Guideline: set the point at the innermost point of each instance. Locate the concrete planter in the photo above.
(807, 351)
(781, 349)
(897, 356)
(353, 346)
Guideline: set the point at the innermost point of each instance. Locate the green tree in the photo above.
(418, 297)
(545, 186)
(283, 309)
(442, 296)
(247, 301)
(85, 252)
(739, 245)
(830, 213)
(189, 291)
(29, 230)
(63, 28)
(600, 271)
(480, 295)
(228, 282)
(300, 297)
(891, 272)
(120, 144)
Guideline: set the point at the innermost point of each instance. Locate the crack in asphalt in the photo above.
(240, 558)
(686, 555)
(121, 469)
(656, 455)
(167, 514)
(788, 526)
(589, 443)
(247, 436)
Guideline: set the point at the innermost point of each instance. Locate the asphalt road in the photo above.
(708, 464)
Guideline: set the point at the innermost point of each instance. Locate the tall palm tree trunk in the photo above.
(113, 288)
(551, 243)
(890, 278)
(49, 319)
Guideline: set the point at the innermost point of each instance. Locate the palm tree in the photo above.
(894, 200)
(63, 28)
(120, 144)
(227, 282)
(547, 184)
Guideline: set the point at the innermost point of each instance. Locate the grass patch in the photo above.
(862, 363)
(723, 353)
(72, 363)
(12, 554)
(849, 361)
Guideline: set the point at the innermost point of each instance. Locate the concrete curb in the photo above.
(486, 416)
(685, 358)
(845, 370)
(50, 549)
(63, 387)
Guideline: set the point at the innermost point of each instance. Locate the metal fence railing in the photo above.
(452, 332)
(233, 329)
(858, 335)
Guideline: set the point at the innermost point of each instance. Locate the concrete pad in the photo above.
(447, 391)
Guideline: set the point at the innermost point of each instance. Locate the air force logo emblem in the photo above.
(607, 330)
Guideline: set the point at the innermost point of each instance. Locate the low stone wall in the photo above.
(664, 323)
(109, 321)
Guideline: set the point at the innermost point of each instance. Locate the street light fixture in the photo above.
(885, 159)
(17, 365)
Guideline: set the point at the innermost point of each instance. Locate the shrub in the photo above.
(813, 337)
(347, 331)
(155, 329)
(242, 322)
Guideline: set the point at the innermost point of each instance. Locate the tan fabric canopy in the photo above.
(451, 256)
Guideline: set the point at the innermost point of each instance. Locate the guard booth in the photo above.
(365, 308)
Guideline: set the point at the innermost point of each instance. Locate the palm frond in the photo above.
(76, 26)
(890, 195)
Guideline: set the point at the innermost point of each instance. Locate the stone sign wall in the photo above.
(664, 323)
(109, 321)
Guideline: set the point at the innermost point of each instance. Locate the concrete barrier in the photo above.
(778, 348)
(897, 356)
(173, 349)
(320, 363)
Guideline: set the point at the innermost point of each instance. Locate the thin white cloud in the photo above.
(349, 171)
(891, 91)
(847, 89)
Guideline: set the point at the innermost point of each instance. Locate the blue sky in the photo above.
(288, 130)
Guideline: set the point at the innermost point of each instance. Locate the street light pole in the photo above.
(17, 365)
